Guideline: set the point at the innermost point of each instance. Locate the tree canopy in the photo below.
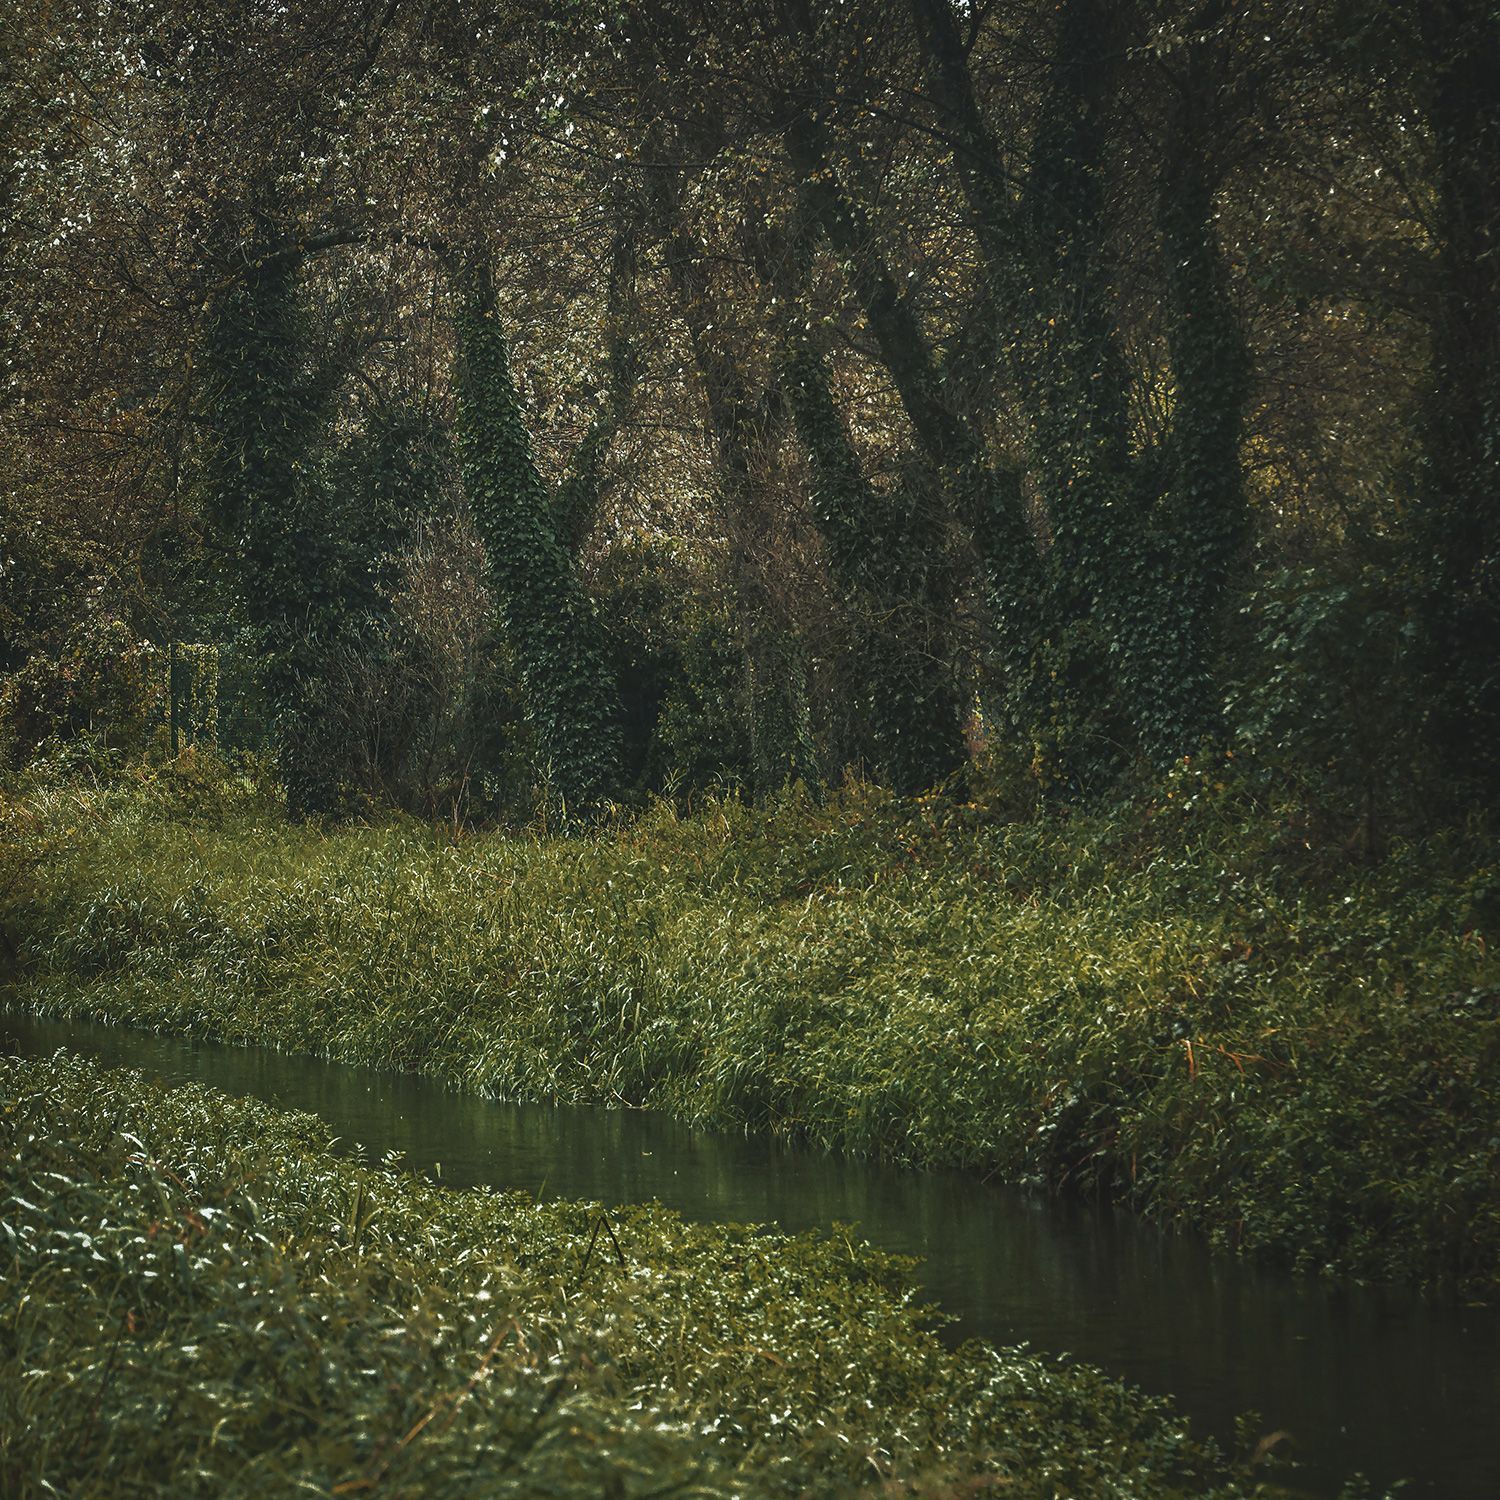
(551, 404)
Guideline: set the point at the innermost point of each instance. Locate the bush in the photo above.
(1330, 695)
(105, 680)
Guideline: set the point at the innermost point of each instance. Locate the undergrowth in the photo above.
(199, 1297)
(1189, 1003)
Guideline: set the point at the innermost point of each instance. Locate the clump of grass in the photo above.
(1183, 1003)
(198, 1296)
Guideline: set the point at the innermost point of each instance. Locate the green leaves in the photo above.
(266, 422)
(886, 554)
(571, 696)
(183, 1298)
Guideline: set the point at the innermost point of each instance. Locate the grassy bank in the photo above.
(197, 1291)
(1191, 1004)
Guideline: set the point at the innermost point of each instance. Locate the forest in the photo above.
(915, 580)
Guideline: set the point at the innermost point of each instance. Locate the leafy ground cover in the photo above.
(198, 1295)
(1189, 1003)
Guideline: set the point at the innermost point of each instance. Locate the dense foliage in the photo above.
(195, 1287)
(981, 379)
(571, 694)
(918, 575)
(1186, 1005)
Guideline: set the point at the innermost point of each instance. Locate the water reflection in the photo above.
(1386, 1383)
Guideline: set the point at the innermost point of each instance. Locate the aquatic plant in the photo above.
(198, 1293)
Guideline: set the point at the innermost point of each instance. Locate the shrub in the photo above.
(104, 681)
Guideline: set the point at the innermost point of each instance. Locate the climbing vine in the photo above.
(1139, 545)
(886, 557)
(571, 697)
(1201, 526)
(266, 419)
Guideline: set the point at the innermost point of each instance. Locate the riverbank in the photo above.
(1188, 1004)
(195, 1286)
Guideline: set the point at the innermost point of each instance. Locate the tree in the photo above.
(571, 697)
(267, 416)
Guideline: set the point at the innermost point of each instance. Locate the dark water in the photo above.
(1386, 1383)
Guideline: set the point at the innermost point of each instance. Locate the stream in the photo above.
(1385, 1382)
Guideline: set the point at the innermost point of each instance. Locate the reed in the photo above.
(1185, 1003)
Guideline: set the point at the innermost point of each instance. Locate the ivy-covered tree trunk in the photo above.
(265, 420)
(569, 690)
(777, 709)
(980, 495)
(1200, 529)
(886, 556)
(1041, 250)
(1144, 573)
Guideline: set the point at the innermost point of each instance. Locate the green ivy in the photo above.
(1139, 549)
(571, 697)
(266, 419)
(885, 555)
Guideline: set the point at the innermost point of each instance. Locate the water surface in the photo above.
(1384, 1382)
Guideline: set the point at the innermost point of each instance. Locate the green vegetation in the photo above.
(922, 578)
(1185, 1004)
(573, 701)
(195, 1287)
(525, 450)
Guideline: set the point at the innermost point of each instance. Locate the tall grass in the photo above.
(1185, 1003)
(199, 1299)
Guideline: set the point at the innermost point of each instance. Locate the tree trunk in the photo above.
(745, 426)
(571, 697)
